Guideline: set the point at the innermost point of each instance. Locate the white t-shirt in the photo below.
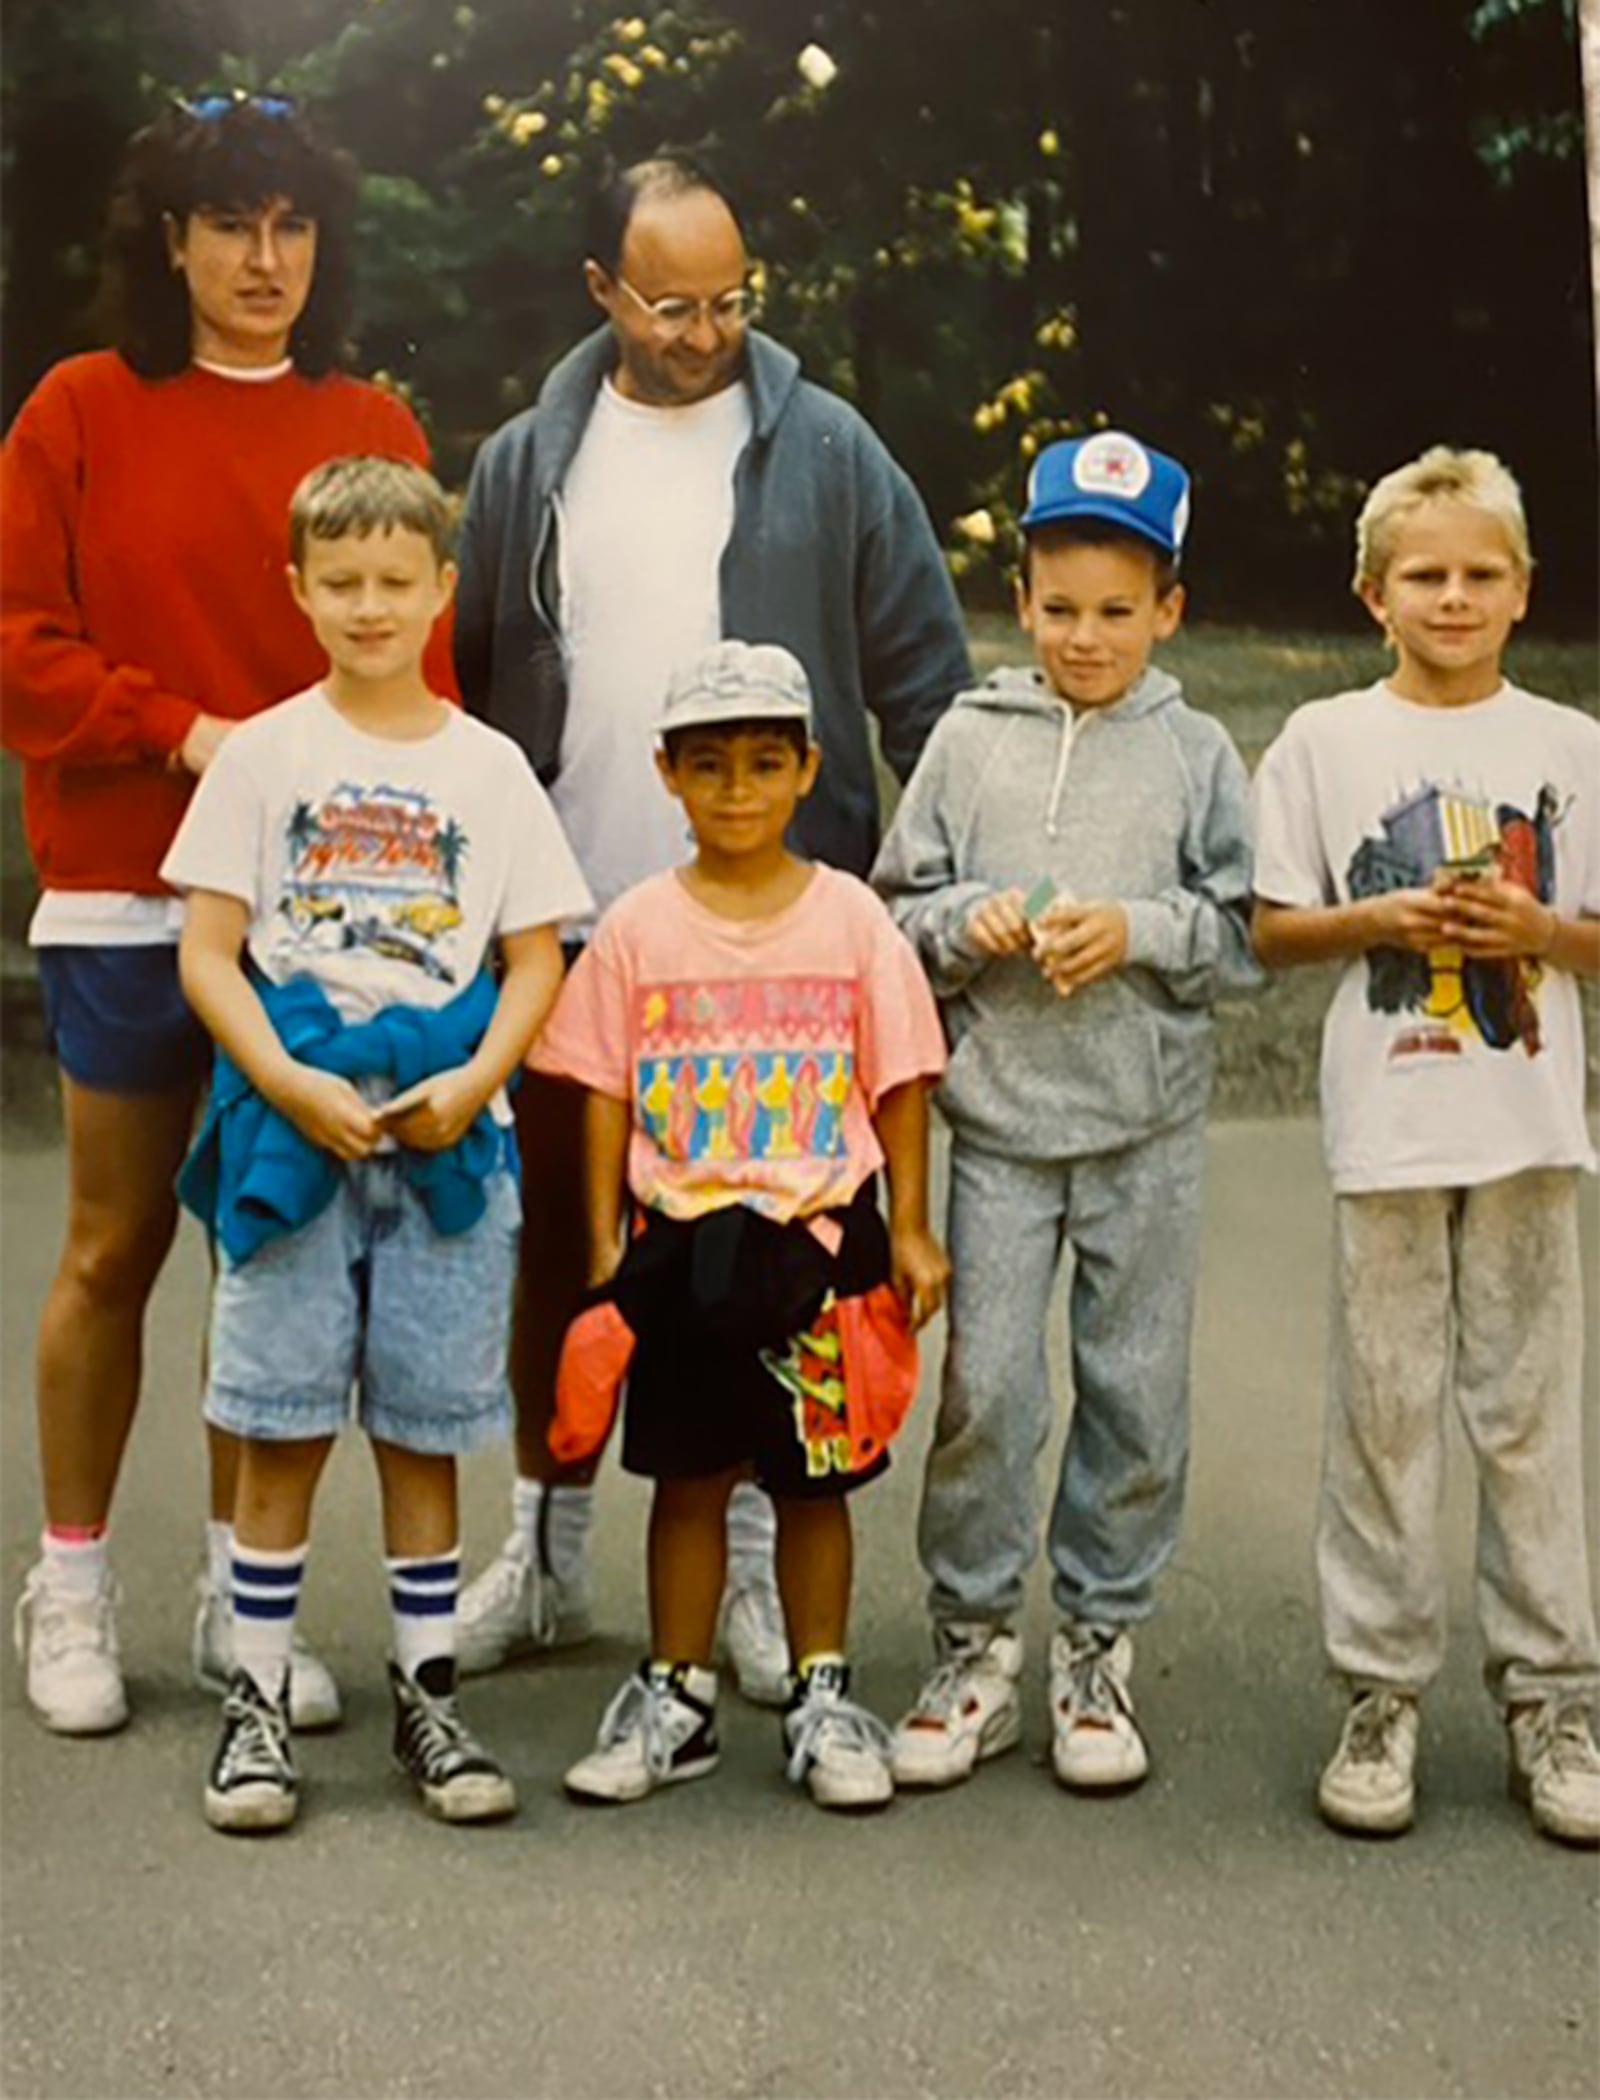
(383, 869)
(646, 509)
(1439, 1072)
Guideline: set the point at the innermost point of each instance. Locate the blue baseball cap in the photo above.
(1113, 477)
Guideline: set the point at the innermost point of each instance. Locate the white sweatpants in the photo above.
(1478, 1292)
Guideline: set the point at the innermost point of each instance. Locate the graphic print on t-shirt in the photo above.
(377, 869)
(1455, 996)
(749, 1069)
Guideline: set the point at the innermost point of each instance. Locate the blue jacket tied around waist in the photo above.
(253, 1177)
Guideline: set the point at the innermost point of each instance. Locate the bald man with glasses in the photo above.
(677, 483)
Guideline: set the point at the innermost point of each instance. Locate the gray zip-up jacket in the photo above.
(1145, 803)
(831, 553)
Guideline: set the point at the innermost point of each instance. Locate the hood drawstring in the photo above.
(1063, 759)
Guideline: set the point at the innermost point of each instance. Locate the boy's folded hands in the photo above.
(1074, 945)
(326, 1109)
(436, 1113)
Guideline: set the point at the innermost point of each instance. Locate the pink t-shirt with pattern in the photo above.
(751, 1051)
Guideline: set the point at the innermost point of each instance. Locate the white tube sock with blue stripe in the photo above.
(422, 1595)
(266, 1595)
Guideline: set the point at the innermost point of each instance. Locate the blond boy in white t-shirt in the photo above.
(1440, 833)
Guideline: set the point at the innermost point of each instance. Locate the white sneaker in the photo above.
(969, 1709)
(1555, 1768)
(515, 1608)
(836, 1749)
(1369, 1784)
(68, 1641)
(660, 1728)
(756, 1642)
(1097, 1746)
(313, 1695)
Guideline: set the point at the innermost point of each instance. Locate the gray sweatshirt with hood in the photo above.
(831, 553)
(1145, 803)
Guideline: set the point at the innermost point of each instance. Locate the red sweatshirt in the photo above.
(143, 540)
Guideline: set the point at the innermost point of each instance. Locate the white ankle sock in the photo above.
(266, 1596)
(219, 1553)
(422, 1596)
(77, 1564)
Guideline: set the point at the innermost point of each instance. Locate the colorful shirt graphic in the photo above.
(1440, 1070)
(1467, 834)
(377, 868)
(752, 1051)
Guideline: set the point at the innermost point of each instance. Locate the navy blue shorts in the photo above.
(117, 1020)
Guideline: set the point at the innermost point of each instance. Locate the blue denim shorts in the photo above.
(370, 1297)
(117, 1020)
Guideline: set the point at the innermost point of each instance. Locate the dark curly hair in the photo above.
(237, 160)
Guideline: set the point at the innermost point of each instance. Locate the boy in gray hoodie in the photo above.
(1072, 863)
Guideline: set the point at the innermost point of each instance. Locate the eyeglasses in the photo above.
(211, 109)
(674, 316)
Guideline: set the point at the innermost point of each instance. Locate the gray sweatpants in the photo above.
(1132, 1219)
(1477, 1292)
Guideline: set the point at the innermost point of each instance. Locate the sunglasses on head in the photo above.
(210, 109)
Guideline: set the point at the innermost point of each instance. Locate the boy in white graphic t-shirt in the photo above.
(353, 858)
(1441, 832)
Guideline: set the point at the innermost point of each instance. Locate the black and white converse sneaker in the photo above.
(661, 1727)
(457, 1778)
(251, 1785)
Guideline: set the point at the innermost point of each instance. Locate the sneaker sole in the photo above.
(992, 1742)
(1582, 1835)
(591, 1796)
(763, 1691)
(849, 1804)
(474, 1800)
(1084, 1783)
(246, 1814)
(1381, 1823)
(59, 1723)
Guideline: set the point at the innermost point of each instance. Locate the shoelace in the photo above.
(1371, 1719)
(63, 1621)
(945, 1691)
(440, 1740)
(1561, 1732)
(497, 1589)
(643, 1707)
(257, 1744)
(828, 1717)
(1094, 1690)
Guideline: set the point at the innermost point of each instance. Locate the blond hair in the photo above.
(362, 494)
(1441, 474)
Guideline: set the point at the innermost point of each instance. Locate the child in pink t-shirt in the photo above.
(757, 1039)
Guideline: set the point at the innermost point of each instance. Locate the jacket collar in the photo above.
(566, 400)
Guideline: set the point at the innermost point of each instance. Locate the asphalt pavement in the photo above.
(1204, 1936)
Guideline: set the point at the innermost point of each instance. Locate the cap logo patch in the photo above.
(1110, 464)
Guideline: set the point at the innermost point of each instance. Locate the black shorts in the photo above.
(722, 1309)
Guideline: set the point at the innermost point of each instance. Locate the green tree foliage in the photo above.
(1291, 244)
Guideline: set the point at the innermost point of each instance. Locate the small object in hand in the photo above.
(1039, 897)
(399, 1105)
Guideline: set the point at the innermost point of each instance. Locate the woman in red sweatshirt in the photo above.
(145, 610)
